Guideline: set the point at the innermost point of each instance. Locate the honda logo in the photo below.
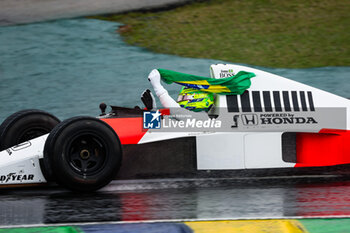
(249, 119)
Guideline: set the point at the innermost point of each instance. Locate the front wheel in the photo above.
(25, 125)
(83, 154)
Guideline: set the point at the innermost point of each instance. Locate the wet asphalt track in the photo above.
(177, 200)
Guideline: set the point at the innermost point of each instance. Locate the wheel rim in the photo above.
(31, 133)
(86, 154)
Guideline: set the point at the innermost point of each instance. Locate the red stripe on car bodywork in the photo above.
(327, 148)
(129, 130)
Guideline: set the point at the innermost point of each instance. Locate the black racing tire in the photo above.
(25, 125)
(83, 154)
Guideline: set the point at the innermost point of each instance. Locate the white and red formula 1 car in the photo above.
(276, 125)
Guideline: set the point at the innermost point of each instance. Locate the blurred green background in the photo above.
(270, 33)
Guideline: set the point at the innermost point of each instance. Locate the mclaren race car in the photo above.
(275, 125)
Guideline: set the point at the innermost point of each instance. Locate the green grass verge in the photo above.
(271, 33)
(326, 225)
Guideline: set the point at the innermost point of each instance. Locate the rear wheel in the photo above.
(83, 154)
(25, 125)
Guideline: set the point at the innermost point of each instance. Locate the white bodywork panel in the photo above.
(227, 151)
(220, 151)
(264, 150)
(20, 164)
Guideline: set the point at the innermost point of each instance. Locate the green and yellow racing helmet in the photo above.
(195, 100)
